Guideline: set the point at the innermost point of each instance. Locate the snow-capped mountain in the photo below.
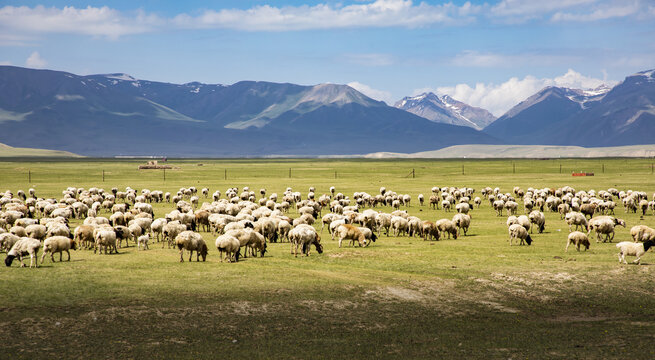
(444, 109)
(622, 115)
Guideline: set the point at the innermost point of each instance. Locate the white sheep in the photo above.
(518, 232)
(143, 240)
(7, 240)
(462, 221)
(447, 226)
(633, 249)
(305, 236)
(604, 225)
(229, 245)
(191, 241)
(642, 233)
(23, 247)
(105, 237)
(577, 238)
(577, 219)
(538, 218)
(58, 244)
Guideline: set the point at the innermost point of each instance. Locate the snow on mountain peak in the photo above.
(120, 76)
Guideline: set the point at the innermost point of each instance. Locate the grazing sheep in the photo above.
(191, 241)
(524, 221)
(7, 240)
(368, 234)
(577, 219)
(383, 221)
(642, 233)
(447, 226)
(23, 247)
(352, 233)
(429, 230)
(36, 231)
(283, 228)
(170, 231)
(538, 218)
(588, 209)
(304, 235)
(105, 238)
(633, 249)
(577, 238)
(229, 245)
(84, 235)
(463, 208)
(58, 244)
(462, 221)
(399, 225)
(143, 240)
(518, 232)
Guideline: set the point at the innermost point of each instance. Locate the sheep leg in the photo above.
(43, 256)
(567, 246)
(61, 255)
(181, 254)
(69, 255)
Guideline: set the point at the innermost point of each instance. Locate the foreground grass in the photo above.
(473, 297)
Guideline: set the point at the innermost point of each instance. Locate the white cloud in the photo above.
(498, 98)
(601, 12)
(471, 58)
(379, 13)
(35, 61)
(69, 97)
(94, 21)
(372, 93)
(370, 59)
(533, 8)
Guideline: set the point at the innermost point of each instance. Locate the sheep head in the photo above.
(528, 240)
(9, 259)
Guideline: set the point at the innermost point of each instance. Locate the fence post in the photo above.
(103, 175)
(225, 176)
(413, 174)
(289, 173)
(164, 174)
(29, 176)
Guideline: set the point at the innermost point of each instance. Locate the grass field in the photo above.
(474, 297)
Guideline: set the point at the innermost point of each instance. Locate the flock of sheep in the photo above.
(245, 219)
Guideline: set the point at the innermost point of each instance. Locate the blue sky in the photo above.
(491, 54)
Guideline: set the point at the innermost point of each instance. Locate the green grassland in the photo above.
(474, 297)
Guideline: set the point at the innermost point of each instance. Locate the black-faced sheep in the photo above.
(518, 232)
(22, 247)
(352, 233)
(627, 248)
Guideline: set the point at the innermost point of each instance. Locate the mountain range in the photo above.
(116, 114)
(444, 109)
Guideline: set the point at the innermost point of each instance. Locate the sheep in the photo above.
(518, 232)
(105, 238)
(499, 205)
(538, 218)
(170, 231)
(642, 233)
(250, 238)
(229, 245)
(399, 225)
(462, 221)
(633, 249)
(7, 240)
(18, 231)
(36, 231)
(447, 226)
(429, 230)
(191, 241)
(383, 221)
(23, 247)
(511, 207)
(577, 219)
(352, 233)
(305, 235)
(368, 234)
(463, 208)
(524, 221)
(577, 238)
(123, 233)
(84, 235)
(58, 244)
(421, 199)
(143, 240)
(588, 209)
(604, 225)
(283, 228)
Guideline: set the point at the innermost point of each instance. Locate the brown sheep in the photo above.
(352, 233)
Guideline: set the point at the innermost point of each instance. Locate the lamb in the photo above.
(143, 240)
(23, 247)
(462, 221)
(518, 232)
(191, 241)
(642, 233)
(352, 233)
(447, 226)
(538, 218)
(633, 249)
(58, 244)
(577, 238)
(229, 245)
(305, 235)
